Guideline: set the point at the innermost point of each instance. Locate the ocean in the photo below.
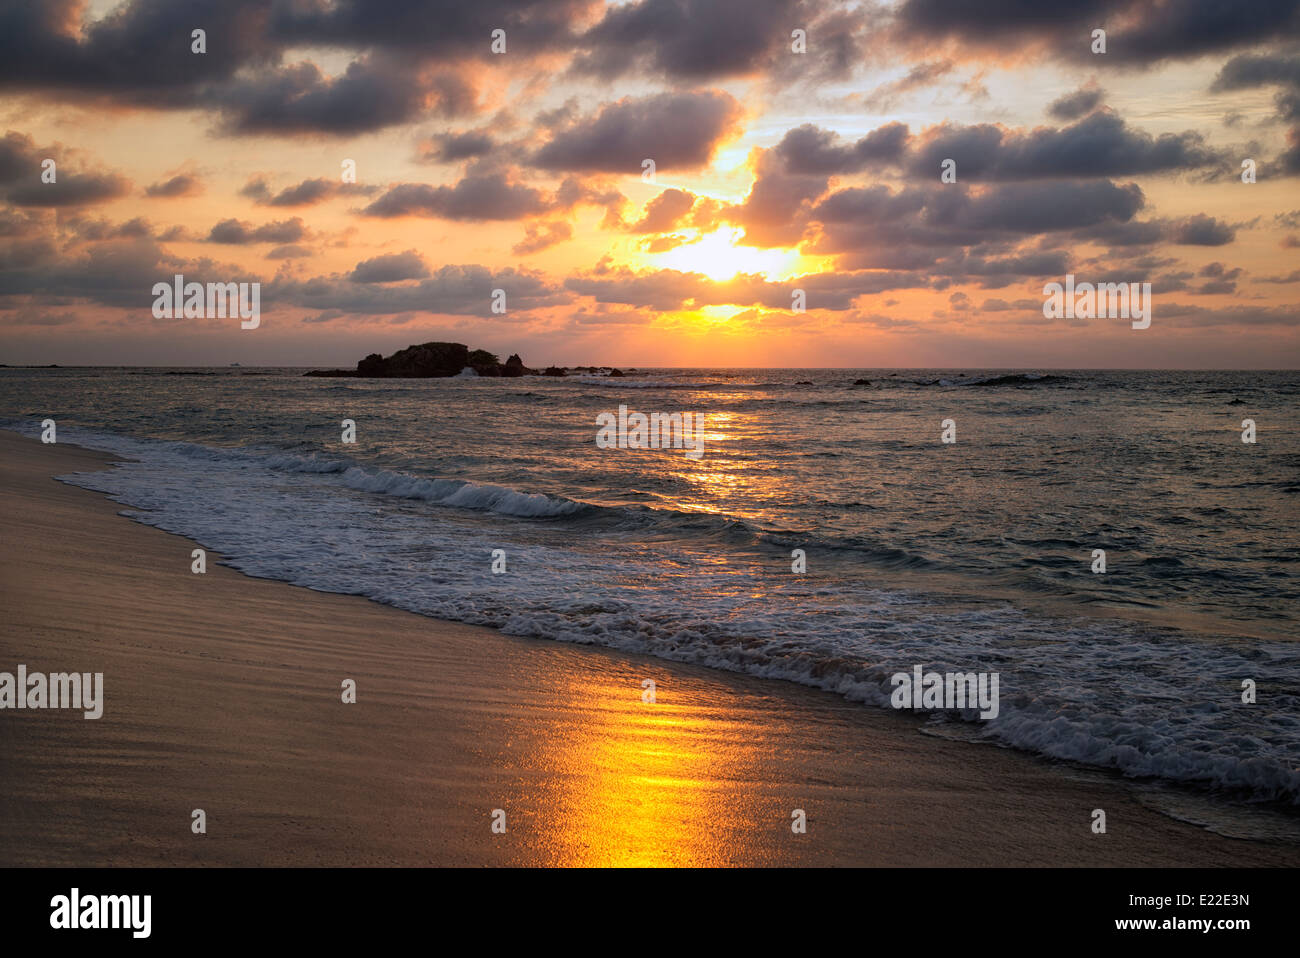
(969, 556)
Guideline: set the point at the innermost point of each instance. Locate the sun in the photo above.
(717, 256)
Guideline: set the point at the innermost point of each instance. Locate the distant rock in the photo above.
(862, 382)
(804, 382)
(448, 360)
(429, 361)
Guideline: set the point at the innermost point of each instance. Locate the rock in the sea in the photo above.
(424, 361)
(862, 382)
(430, 360)
(616, 372)
(554, 371)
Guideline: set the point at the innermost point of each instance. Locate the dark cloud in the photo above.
(1071, 106)
(689, 39)
(676, 130)
(1096, 146)
(390, 268)
(306, 193)
(96, 230)
(1099, 145)
(997, 19)
(1219, 271)
(1138, 32)
(20, 175)
(117, 272)
(481, 195)
(1202, 230)
(809, 150)
(180, 185)
(372, 93)
(454, 147)
(411, 57)
(70, 190)
(238, 232)
(445, 29)
(140, 53)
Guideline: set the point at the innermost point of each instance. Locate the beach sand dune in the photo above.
(223, 693)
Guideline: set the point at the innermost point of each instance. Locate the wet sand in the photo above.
(223, 693)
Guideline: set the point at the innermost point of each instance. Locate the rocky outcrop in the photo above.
(431, 360)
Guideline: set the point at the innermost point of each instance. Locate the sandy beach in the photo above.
(223, 693)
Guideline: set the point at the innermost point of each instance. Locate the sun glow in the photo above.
(717, 256)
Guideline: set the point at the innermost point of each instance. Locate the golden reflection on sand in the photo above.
(669, 783)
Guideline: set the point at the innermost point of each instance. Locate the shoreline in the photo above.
(222, 692)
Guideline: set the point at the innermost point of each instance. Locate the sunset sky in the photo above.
(775, 170)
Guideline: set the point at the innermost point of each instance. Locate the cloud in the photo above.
(390, 268)
(676, 130)
(687, 39)
(372, 93)
(481, 195)
(21, 177)
(1098, 145)
(540, 236)
(412, 60)
(291, 251)
(306, 193)
(775, 211)
(454, 290)
(664, 212)
(809, 150)
(1071, 106)
(118, 272)
(1137, 31)
(1202, 230)
(70, 190)
(182, 184)
(239, 232)
(34, 316)
(1270, 69)
(453, 147)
